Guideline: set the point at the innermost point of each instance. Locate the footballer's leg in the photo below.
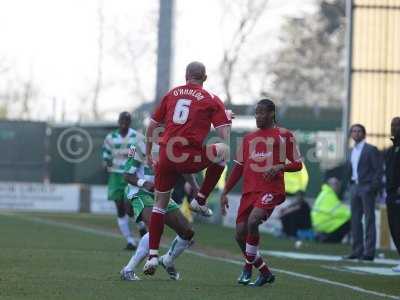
(257, 216)
(123, 224)
(245, 208)
(156, 229)
(184, 239)
(240, 236)
(116, 193)
(215, 155)
(129, 209)
(128, 272)
(165, 179)
(245, 275)
(140, 224)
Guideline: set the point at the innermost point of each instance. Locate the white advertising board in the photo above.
(99, 204)
(39, 197)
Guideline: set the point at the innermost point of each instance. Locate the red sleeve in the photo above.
(240, 153)
(234, 177)
(238, 167)
(219, 117)
(292, 155)
(161, 111)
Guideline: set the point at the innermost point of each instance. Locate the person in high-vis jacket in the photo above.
(296, 182)
(330, 217)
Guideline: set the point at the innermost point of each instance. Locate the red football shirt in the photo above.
(187, 112)
(262, 149)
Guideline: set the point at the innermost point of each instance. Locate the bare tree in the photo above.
(16, 94)
(250, 13)
(129, 51)
(309, 67)
(132, 49)
(3, 99)
(19, 97)
(28, 92)
(4, 66)
(100, 57)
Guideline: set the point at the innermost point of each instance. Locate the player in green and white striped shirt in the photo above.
(115, 154)
(140, 191)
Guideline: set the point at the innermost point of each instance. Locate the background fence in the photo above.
(71, 153)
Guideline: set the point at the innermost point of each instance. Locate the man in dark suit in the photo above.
(365, 170)
(392, 162)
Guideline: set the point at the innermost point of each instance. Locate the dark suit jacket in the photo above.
(370, 167)
(392, 163)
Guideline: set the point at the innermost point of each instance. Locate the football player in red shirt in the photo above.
(262, 159)
(186, 113)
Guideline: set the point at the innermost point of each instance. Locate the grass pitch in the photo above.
(78, 256)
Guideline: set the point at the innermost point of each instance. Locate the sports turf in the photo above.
(43, 257)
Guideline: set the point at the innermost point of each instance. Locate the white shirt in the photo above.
(355, 158)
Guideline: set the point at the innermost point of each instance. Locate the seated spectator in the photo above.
(330, 217)
(295, 218)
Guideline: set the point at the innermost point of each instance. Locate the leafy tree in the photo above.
(308, 69)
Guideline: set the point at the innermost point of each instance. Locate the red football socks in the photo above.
(258, 261)
(156, 229)
(261, 265)
(248, 266)
(211, 179)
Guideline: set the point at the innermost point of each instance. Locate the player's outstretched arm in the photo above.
(293, 156)
(224, 132)
(134, 180)
(234, 177)
(293, 161)
(106, 152)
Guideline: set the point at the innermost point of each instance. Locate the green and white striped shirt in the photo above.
(116, 148)
(136, 165)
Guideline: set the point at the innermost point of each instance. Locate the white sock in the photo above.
(177, 247)
(123, 224)
(141, 252)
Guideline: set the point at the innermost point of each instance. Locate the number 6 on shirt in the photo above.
(181, 112)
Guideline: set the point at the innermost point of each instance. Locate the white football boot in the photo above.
(200, 209)
(128, 275)
(169, 268)
(150, 266)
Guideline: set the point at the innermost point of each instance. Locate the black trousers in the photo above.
(393, 211)
(297, 219)
(336, 236)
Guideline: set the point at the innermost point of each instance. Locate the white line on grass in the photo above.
(343, 270)
(300, 275)
(203, 255)
(323, 257)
